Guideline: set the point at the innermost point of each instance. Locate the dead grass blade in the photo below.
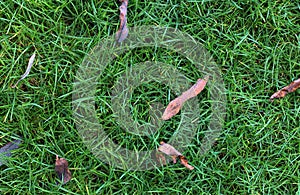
(30, 63)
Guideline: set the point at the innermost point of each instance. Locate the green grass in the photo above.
(256, 45)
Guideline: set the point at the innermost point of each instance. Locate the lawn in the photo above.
(255, 45)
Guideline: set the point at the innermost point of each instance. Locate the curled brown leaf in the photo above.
(175, 105)
(293, 86)
(62, 170)
(122, 33)
(171, 151)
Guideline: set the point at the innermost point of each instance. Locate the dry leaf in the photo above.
(30, 63)
(175, 105)
(168, 149)
(122, 33)
(161, 158)
(293, 86)
(5, 151)
(171, 151)
(62, 170)
(184, 161)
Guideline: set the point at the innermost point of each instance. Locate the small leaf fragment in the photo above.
(171, 151)
(122, 33)
(168, 149)
(293, 86)
(184, 161)
(5, 151)
(62, 169)
(161, 158)
(175, 105)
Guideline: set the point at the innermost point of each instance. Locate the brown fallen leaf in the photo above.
(62, 170)
(175, 105)
(161, 158)
(184, 161)
(5, 151)
(122, 33)
(293, 86)
(171, 151)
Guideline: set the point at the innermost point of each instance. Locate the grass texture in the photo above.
(256, 45)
